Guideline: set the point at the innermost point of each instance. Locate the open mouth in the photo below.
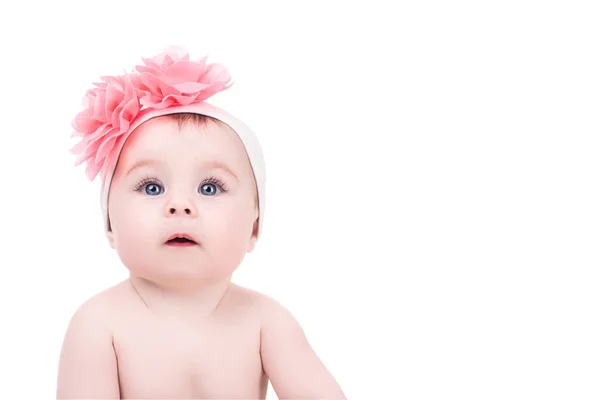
(181, 242)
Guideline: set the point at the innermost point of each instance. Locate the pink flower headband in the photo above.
(166, 84)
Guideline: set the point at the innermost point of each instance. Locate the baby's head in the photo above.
(176, 168)
(187, 176)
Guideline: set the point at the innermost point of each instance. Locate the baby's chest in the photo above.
(173, 361)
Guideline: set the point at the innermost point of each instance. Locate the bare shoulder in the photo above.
(88, 366)
(288, 359)
(257, 301)
(267, 309)
(102, 304)
(98, 306)
(100, 312)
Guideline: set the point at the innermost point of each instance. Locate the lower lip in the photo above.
(182, 244)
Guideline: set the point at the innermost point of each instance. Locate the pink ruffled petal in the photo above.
(148, 70)
(134, 80)
(190, 87)
(99, 110)
(167, 62)
(158, 103)
(79, 160)
(174, 52)
(151, 65)
(131, 92)
(90, 150)
(87, 147)
(157, 86)
(216, 73)
(111, 80)
(146, 99)
(114, 96)
(104, 149)
(127, 114)
(85, 124)
(204, 95)
(98, 134)
(167, 89)
(181, 100)
(92, 170)
(150, 83)
(116, 113)
(79, 147)
(186, 72)
(91, 95)
(114, 118)
(117, 120)
(131, 104)
(80, 119)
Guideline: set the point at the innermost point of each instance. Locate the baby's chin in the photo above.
(181, 276)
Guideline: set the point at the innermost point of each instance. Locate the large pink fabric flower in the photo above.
(110, 108)
(172, 79)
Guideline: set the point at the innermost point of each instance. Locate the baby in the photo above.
(183, 202)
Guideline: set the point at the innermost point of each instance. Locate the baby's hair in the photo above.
(197, 119)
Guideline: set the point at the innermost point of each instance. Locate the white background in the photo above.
(432, 196)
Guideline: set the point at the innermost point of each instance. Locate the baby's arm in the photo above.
(88, 365)
(293, 367)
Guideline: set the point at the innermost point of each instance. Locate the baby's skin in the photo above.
(178, 328)
(125, 345)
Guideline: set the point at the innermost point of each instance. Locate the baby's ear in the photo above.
(111, 239)
(254, 237)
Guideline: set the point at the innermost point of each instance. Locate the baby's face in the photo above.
(195, 181)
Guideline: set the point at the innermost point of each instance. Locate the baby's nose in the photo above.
(173, 210)
(179, 208)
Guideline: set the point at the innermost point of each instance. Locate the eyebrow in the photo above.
(140, 164)
(212, 164)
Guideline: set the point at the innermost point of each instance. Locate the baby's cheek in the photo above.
(135, 236)
(232, 239)
(135, 218)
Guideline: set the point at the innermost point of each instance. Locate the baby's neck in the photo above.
(189, 302)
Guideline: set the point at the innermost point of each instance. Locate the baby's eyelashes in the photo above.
(150, 185)
(209, 187)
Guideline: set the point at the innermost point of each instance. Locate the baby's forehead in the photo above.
(166, 138)
(164, 133)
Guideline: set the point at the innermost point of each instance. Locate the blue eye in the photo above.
(150, 185)
(153, 189)
(209, 189)
(213, 186)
